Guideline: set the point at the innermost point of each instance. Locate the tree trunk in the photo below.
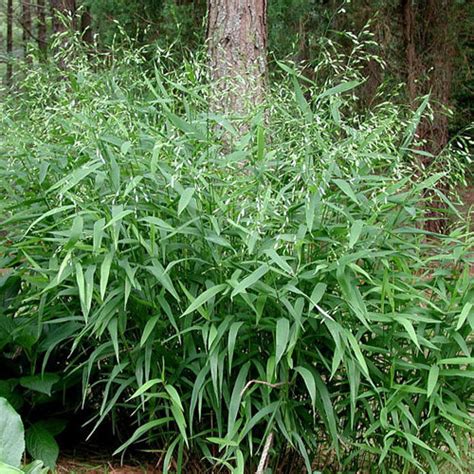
(237, 42)
(27, 27)
(441, 24)
(86, 26)
(9, 75)
(63, 13)
(428, 33)
(412, 62)
(62, 8)
(42, 41)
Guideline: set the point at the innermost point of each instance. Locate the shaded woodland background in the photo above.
(428, 45)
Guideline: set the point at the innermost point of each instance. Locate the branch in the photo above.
(263, 460)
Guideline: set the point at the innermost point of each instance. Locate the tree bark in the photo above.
(429, 53)
(60, 8)
(42, 30)
(27, 26)
(9, 74)
(63, 10)
(237, 45)
(411, 57)
(86, 26)
(428, 33)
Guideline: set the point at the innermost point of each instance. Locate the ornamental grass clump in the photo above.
(209, 291)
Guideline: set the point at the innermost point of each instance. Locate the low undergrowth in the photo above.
(206, 291)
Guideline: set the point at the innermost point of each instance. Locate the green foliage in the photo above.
(12, 437)
(41, 444)
(12, 443)
(215, 287)
(162, 22)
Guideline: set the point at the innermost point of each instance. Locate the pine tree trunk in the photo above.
(237, 43)
(86, 26)
(27, 26)
(63, 12)
(441, 23)
(42, 30)
(411, 56)
(9, 74)
(62, 8)
(428, 31)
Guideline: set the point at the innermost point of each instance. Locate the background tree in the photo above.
(27, 26)
(42, 27)
(430, 31)
(62, 8)
(237, 42)
(86, 25)
(9, 74)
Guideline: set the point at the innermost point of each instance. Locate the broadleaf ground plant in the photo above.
(217, 290)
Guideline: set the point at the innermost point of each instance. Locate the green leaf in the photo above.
(105, 272)
(260, 143)
(301, 101)
(346, 188)
(356, 230)
(251, 279)
(145, 387)
(89, 281)
(169, 455)
(457, 361)
(328, 409)
(118, 217)
(358, 353)
(112, 327)
(282, 336)
(149, 326)
(42, 383)
(339, 89)
(75, 233)
(233, 331)
(142, 430)
(240, 463)
(310, 210)
(407, 324)
(162, 276)
(36, 467)
(174, 395)
(204, 298)
(449, 440)
(280, 261)
(12, 435)
(410, 133)
(463, 316)
(81, 286)
(7, 469)
(98, 234)
(236, 396)
(310, 383)
(41, 445)
(185, 199)
(160, 223)
(50, 213)
(317, 294)
(416, 440)
(74, 178)
(432, 380)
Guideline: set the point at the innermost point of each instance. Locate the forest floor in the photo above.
(74, 466)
